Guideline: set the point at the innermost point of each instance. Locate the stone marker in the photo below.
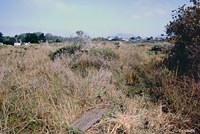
(88, 119)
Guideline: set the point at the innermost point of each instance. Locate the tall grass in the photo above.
(40, 95)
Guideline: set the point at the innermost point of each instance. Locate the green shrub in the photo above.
(82, 65)
(106, 53)
(64, 51)
(157, 48)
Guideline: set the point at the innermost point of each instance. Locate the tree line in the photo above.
(37, 37)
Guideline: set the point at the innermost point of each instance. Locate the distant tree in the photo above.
(150, 38)
(49, 36)
(139, 37)
(132, 38)
(79, 33)
(1, 37)
(32, 38)
(17, 38)
(22, 37)
(9, 40)
(42, 37)
(184, 29)
(116, 39)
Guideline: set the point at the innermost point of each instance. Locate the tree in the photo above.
(132, 38)
(150, 38)
(42, 37)
(22, 37)
(32, 38)
(17, 38)
(1, 37)
(139, 37)
(49, 36)
(184, 29)
(79, 33)
(9, 41)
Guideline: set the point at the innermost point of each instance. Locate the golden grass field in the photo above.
(40, 95)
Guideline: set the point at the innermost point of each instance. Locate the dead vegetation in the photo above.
(40, 95)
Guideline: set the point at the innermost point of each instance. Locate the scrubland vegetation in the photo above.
(44, 89)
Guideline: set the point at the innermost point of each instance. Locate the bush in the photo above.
(184, 29)
(67, 51)
(106, 53)
(85, 62)
(157, 48)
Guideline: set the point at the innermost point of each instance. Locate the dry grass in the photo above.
(39, 95)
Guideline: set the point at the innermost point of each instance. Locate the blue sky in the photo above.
(94, 17)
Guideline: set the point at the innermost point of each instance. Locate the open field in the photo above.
(44, 92)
